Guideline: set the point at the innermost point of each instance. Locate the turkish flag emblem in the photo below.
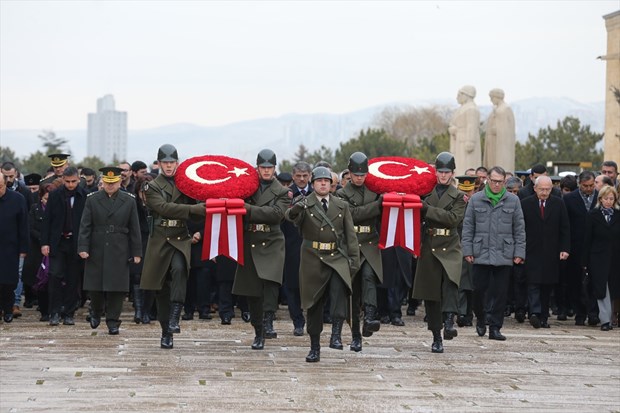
(216, 176)
(400, 174)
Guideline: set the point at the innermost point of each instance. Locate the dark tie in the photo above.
(542, 209)
(324, 201)
(303, 192)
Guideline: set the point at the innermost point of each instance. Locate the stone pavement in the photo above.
(212, 369)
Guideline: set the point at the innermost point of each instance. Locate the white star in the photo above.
(239, 171)
(419, 170)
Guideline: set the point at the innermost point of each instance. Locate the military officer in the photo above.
(260, 276)
(109, 240)
(59, 162)
(167, 258)
(365, 207)
(438, 271)
(329, 257)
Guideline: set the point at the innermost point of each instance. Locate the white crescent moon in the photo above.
(374, 170)
(190, 172)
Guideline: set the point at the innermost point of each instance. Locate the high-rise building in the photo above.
(107, 132)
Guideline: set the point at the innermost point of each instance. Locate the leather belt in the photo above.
(441, 232)
(259, 228)
(362, 229)
(170, 223)
(110, 229)
(324, 246)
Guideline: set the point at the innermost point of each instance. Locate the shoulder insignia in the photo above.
(128, 193)
(91, 193)
(145, 187)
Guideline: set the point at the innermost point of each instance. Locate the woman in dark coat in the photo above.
(601, 253)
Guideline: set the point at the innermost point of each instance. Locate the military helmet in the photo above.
(358, 164)
(266, 158)
(445, 162)
(167, 153)
(321, 172)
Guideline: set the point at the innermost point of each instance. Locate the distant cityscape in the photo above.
(107, 131)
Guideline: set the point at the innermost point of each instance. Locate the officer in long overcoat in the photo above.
(168, 253)
(109, 240)
(365, 206)
(260, 276)
(329, 256)
(438, 272)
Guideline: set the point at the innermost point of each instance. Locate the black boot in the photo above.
(335, 341)
(148, 297)
(315, 349)
(95, 320)
(371, 324)
(437, 346)
(113, 326)
(356, 341)
(175, 315)
(138, 303)
(449, 332)
(259, 338)
(268, 318)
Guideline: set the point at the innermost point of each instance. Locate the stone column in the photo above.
(612, 106)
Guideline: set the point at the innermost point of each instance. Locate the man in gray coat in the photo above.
(109, 240)
(493, 239)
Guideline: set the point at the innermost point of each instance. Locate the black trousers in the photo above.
(199, 288)
(448, 303)
(64, 279)
(538, 298)
(519, 287)
(7, 297)
(111, 302)
(338, 301)
(295, 311)
(268, 301)
(490, 291)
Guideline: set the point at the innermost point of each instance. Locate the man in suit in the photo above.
(438, 271)
(292, 238)
(578, 203)
(167, 258)
(260, 277)
(59, 234)
(329, 257)
(109, 240)
(365, 207)
(547, 240)
(528, 190)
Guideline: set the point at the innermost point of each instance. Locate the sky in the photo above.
(212, 63)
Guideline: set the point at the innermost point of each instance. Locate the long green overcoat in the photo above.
(365, 207)
(110, 234)
(165, 201)
(263, 251)
(313, 227)
(440, 252)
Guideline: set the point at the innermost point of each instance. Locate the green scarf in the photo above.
(494, 197)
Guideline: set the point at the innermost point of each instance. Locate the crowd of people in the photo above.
(494, 244)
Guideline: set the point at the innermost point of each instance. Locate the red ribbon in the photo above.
(401, 222)
(224, 229)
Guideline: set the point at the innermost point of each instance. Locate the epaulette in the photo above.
(128, 193)
(91, 193)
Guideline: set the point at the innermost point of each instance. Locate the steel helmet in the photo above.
(167, 153)
(358, 164)
(266, 158)
(445, 162)
(321, 172)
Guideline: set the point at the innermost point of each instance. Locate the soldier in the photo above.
(365, 207)
(260, 276)
(438, 272)
(167, 259)
(59, 162)
(329, 257)
(109, 240)
(59, 231)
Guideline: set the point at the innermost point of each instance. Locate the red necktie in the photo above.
(542, 209)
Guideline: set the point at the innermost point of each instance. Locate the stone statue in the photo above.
(465, 131)
(499, 145)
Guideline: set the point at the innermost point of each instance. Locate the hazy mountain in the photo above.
(285, 133)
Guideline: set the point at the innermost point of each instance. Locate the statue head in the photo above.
(496, 95)
(468, 91)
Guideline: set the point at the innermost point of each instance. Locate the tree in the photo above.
(51, 142)
(427, 149)
(92, 162)
(413, 125)
(301, 154)
(36, 162)
(373, 143)
(8, 155)
(569, 141)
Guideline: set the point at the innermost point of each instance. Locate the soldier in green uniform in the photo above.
(167, 258)
(329, 257)
(260, 276)
(109, 240)
(365, 207)
(59, 162)
(438, 272)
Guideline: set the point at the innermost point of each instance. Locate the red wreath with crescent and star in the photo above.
(216, 176)
(400, 174)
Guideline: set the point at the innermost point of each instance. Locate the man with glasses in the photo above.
(493, 240)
